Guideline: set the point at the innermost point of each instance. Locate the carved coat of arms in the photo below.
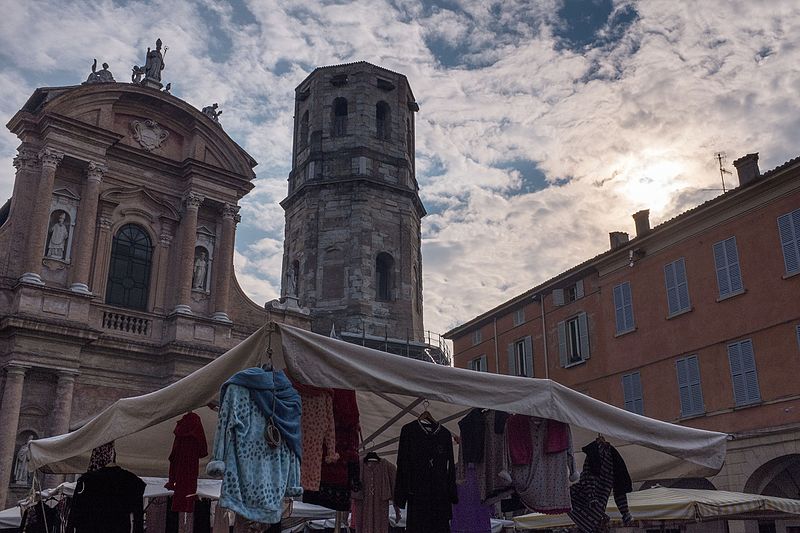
(149, 134)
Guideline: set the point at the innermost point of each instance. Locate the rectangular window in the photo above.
(476, 337)
(479, 364)
(520, 357)
(677, 287)
(743, 372)
(691, 393)
(519, 316)
(789, 230)
(573, 340)
(570, 293)
(623, 307)
(726, 261)
(632, 390)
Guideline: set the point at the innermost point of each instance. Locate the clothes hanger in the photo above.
(371, 457)
(426, 416)
(267, 365)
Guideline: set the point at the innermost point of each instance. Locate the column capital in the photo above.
(26, 159)
(104, 223)
(16, 369)
(50, 158)
(95, 171)
(66, 375)
(193, 200)
(165, 238)
(237, 218)
(230, 211)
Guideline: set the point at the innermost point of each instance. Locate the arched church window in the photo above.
(383, 121)
(384, 264)
(302, 142)
(129, 271)
(339, 117)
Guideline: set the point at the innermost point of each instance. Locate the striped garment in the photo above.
(590, 494)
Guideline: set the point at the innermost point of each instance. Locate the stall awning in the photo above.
(391, 390)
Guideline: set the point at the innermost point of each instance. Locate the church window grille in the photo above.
(129, 271)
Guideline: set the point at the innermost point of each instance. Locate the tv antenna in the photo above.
(722, 171)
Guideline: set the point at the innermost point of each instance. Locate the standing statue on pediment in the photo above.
(154, 63)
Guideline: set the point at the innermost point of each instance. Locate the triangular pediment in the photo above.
(66, 193)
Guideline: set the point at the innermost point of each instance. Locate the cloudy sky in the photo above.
(543, 125)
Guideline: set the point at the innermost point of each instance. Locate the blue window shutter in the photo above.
(683, 387)
(627, 300)
(734, 273)
(619, 308)
(693, 370)
(583, 325)
(627, 391)
(528, 357)
(558, 296)
(789, 229)
(721, 264)
(682, 283)
(638, 400)
(562, 343)
(672, 288)
(737, 374)
(750, 373)
(579, 289)
(512, 363)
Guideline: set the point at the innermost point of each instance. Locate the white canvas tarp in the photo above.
(682, 505)
(390, 391)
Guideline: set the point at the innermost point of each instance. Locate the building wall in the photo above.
(767, 312)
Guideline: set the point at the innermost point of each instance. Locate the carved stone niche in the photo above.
(61, 228)
(203, 260)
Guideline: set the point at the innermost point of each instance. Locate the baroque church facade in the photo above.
(116, 276)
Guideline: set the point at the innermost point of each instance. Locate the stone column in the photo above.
(163, 274)
(62, 410)
(40, 216)
(224, 263)
(9, 422)
(102, 253)
(26, 180)
(188, 241)
(84, 230)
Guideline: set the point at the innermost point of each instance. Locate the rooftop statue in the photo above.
(153, 65)
(102, 76)
(211, 111)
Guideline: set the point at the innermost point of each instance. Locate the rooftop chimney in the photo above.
(642, 219)
(747, 168)
(617, 238)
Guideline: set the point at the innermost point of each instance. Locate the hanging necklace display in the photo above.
(271, 433)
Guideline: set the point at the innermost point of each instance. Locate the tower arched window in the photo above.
(302, 142)
(383, 121)
(384, 264)
(129, 271)
(339, 117)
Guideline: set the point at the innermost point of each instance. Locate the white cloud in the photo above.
(632, 124)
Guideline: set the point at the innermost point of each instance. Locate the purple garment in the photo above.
(469, 514)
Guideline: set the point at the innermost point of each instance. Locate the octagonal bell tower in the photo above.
(353, 212)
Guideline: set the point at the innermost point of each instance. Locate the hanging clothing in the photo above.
(104, 501)
(473, 436)
(187, 449)
(603, 471)
(371, 502)
(155, 515)
(340, 477)
(319, 434)
(257, 476)
(426, 482)
(494, 479)
(469, 514)
(40, 518)
(542, 483)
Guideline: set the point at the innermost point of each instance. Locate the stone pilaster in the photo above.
(39, 216)
(188, 241)
(62, 411)
(25, 183)
(84, 232)
(162, 266)
(224, 264)
(9, 422)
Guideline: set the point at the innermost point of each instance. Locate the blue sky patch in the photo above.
(533, 179)
(592, 23)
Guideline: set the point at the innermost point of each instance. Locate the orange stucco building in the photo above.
(695, 321)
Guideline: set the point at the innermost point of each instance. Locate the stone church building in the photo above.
(116, 276)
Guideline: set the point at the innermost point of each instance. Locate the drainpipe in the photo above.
(544, 337)
(496, 352)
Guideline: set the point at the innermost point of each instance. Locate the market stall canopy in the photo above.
(682, 505)
(391, 392)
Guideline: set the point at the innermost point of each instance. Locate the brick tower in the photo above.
(352, 246)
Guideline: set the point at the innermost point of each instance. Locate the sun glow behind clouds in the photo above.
(650, 179)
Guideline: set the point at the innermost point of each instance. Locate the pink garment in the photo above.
(520, 448)
(155, 517)
(371, 503)
(317, 426)
(557, 437)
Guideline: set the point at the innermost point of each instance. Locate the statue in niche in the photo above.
(211, 111)
(154, 62)
(291, 281)
(57, 238)
(200, 269)
(102, 76)
(21, 474)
